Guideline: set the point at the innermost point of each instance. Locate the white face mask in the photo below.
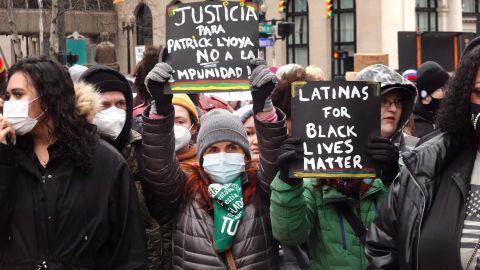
(16, 113)
(182, 136)
(110, 122)
(224, 168)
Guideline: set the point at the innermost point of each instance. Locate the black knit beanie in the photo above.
(430, 77)
(106, 81)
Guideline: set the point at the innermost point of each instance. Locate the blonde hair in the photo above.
(314, 73)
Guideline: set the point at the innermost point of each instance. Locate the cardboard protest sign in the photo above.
(334, 120)
(209, 46)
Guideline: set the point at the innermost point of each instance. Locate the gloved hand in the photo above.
(290, 151)
(155, 82)
(385, 155)
(262, 81)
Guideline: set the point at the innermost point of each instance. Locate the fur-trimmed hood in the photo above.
(88, 100)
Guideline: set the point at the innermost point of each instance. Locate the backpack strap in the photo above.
(354, 221)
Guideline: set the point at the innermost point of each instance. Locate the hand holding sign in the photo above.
(385, 155)
(262, 81)
(155, 83)
(290, 152)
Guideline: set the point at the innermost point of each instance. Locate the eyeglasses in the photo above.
(386, 103)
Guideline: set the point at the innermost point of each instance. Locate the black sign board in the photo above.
(334, 120)
(210, 44)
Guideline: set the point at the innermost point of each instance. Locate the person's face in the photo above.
(226, 147)
(114, 98)
(475, 95)
(182, 118)
(20, 88)
(252, 138)
(391, 110)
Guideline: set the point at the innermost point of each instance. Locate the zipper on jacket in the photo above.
(424, 198)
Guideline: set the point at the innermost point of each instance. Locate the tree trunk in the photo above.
(44, 44)
(62, 43)
(13, 30)
(53, 50)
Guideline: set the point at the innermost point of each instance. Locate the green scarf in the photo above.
(227, 212)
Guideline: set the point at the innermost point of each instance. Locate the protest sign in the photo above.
(334, 120)
(209, 46)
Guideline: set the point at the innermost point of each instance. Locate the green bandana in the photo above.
(227, 212)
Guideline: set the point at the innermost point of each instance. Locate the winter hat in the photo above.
(76, 71)
(220, 125)
(185, 101)
(107, 81)
(410, 74)
(244, 112)
(430, 77)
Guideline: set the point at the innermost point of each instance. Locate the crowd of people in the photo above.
(93, 177)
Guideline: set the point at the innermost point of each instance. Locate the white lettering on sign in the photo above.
(215, 13)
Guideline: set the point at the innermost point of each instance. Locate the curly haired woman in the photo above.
(431, 217)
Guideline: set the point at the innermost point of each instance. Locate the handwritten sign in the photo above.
(334, 120)
(209, 46)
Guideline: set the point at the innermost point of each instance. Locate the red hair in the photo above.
(197, 183)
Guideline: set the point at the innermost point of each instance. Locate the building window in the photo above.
(470, 7)
(297, 43)
(144, 26)
(343, 36)
(426, 13)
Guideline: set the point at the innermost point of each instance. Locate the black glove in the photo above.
(290, 151)
(262, 81)
(155, 83)
(385, 155)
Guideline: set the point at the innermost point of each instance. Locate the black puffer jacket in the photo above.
(67, 218)
(253, 246)
(393, 239)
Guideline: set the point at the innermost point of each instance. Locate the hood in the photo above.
(88, 99)
(120, 142)
(390, 80)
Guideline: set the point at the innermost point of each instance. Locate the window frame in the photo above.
(428, 10)
(290, 17)
(338, 45)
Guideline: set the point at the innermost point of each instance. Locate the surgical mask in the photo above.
(110, 122)
(224, 168)
(475, 109)
(16, 113)
(182, 136)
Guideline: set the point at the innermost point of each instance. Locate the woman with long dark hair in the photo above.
(66, 197)
(431, 217)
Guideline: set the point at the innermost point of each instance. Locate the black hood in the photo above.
(123, 86)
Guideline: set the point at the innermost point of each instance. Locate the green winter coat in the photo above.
(305, 213)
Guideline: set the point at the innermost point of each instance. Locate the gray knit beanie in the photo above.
(220, 125)
(244, 112)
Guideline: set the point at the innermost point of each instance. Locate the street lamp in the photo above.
(127, 25)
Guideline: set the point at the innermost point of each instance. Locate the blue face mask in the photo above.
(224, 168)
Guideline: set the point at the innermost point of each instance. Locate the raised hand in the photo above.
(263, 82)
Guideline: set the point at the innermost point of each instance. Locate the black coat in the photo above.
(393, 239)
(422, 120)
(67, 218)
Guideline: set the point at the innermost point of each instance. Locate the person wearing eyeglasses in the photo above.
(331, 215)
